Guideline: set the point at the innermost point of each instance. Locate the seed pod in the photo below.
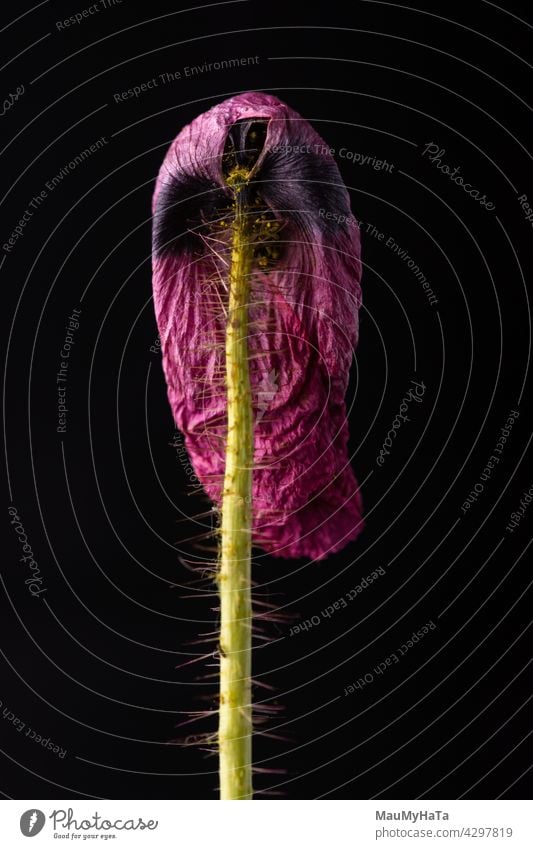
(304, 303)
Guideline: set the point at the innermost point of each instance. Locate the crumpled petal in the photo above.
(304, 323)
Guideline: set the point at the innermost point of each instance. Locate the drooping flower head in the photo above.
(304, 303)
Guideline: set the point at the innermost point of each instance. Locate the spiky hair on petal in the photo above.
(304, 304)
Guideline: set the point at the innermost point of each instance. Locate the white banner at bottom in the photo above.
(279, 824)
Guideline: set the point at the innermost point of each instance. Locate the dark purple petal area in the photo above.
(304, 319)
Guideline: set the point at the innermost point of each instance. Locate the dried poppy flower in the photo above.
(304, 302)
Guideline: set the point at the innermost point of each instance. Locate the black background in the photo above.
(92, 662)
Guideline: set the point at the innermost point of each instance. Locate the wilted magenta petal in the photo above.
(304, 323)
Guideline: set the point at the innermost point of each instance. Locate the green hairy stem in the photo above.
(234, 575)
